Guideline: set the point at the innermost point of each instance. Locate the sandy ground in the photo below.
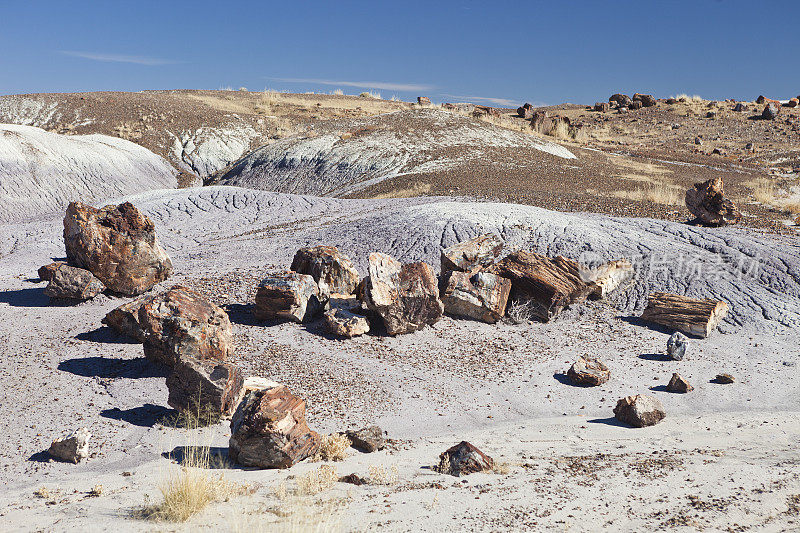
(724, 459)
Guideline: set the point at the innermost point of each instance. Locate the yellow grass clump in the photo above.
(415, 189)
(657, 192)
(332, 448)
(316, 481)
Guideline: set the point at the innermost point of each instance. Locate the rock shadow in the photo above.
(610, 421)
(26, 298)
(637, 321)
(41, 457)
(105, 335)
(113, 367)
(216, 456)
(243, 314)
(659, 388)
(562, 378)
(147, 415)
(655, 357)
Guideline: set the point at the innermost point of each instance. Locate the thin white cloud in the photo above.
(119, 58)
(383, 85)
(500, 101)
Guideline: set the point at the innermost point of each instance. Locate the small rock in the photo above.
(621, 100)
(639, 411)
(72, 449)
(750, 147)
(369, 439)
(636, 104)
(46, 272)
(525, 111)
(289, 296)
(740, 107)
(601, 107)
(724, 379)
(770, 111)
(463, 459)
(125, 319)
(678, 384)
(209, 389)
(711, 114)
(345, 323)
(480, 296)
(671, 101)
(588, 372)
(353, 479)
(423, 100)
(333, 271)
(698, 140)
(72, 283)
(793, 102)
(676, 346)
(473, 254)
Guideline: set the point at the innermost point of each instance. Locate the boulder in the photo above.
(588, 372)
(724, 379)
(541, 121)
(480, 296)
(636, 104)
(761, 99)
(639, 411)
(71, 449)
(678, 384)
(793, 102)
(345, 323)
(405, 296)
(117, 244)
(463, 459)
(671, 101)
(71, 283)
(46, 272)
(646, 99)
(608, 277)
(288, 296)
(708, 203)
(770, 111)
(369, 439)
(269, 430)
(621, 100)
(423, 100)
(333, 271)
(676, 346)
(207, 388)
(181, 324)
(125, 319)
(601, 106)
(525, 111)
(472, 255)
(547, 285)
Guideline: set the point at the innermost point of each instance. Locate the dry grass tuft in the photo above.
(369, 94)
(380, 475)
(686, 98)
(657, 192)
(519, 312)
(332, 448)
(764, 191)
(316, 481)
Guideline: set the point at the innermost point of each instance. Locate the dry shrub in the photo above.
(683, 97)
(337, 92)
(519, 312)
(369, 94)
(316, 481)
(332, 448)
(380, 475)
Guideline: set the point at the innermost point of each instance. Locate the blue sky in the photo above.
(493, 52)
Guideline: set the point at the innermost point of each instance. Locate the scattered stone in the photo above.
(269, 430)
(125, 319)
(708, 203)
(692, 316)
(472, 255)
(547, 285)
(621, 100)
(750, 147)
(761, 99)
(369, 439)
(678, 384)
(405, 296)
(711, 114)
(602, 107)
(676, 346)
(480, 296)
(423, 100)
(724, 379)
(793, 102)
(610, 276)
(719, 151)
(587, 372)
(698, 140)
(770, 112)
(207, 388)
(639, 411)
(463, 459)
(525, 111)
(72, 449)
(117, 244)
(740, 107)
(345, 323)
(353, 479)
(46, 272)
(332, 270)
(72, 283)
(289, 296)
(671, 101)
(181, 324)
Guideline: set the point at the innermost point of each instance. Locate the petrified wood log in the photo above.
(689, 315)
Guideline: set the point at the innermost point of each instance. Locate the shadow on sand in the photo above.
(113, 367)
(148, 415)
(105, 335)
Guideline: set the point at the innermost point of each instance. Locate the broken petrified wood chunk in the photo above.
(689, 315)
(288, 296)
(405, 296)
(548, 285)
(480, 296)
(588, 372)
(180, 324)
(71, 283)
(369, 439)
(46, 272)
(472, 255)
(269, 430)
(678, 384)
(209, 389)
(73, 448)
(610, 276)
(724, 379)
(708, 203)
(639, 411)
(125, 319)
(676, 346)
(332, 270)
(345, 323)
(463, 459)
(117, 244)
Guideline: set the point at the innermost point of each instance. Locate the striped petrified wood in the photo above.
(689, 315)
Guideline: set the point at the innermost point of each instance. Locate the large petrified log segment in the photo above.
(689, 315)
(405, 296)
(206, 388)
(640, 410)
(71, 283)
(117, 244)
(707, 202)
(125, 319)
(472, 255)
(332, 270)
(288, 296)
(549, 285)
(481, 296)
(181, 324)
(269, 430)
(610, 276)
(463, 459)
